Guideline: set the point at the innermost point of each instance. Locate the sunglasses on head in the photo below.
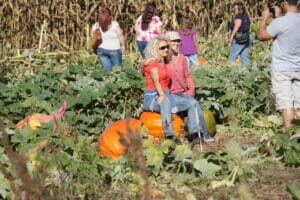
(164, 47)
(176, 41)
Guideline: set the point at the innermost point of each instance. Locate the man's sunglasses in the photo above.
(164, 47)
(176, 41)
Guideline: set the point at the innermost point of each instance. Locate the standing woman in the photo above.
(157, 96)
(113, 42)
(240, 37)
(147, 26)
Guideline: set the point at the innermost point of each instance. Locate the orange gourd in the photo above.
(109, 142)
(202, 60)
(153, 123)
(33, 121)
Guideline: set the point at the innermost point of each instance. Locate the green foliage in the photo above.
(294, 190)
(155, 154)
(207, 169)
(285, 146)
(239, 96)
(288, 149)
(236, 93)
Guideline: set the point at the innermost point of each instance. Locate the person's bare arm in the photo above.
(263, 35)
(188, 79)
(159, 29)
(154, 72)
(237, 25)
(121, 38)
(146, 62)
(196, 42)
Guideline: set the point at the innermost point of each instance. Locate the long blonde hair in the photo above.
(152, 49)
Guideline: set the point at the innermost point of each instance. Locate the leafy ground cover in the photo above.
(252, 157)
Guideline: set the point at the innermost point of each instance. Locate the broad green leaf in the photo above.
(183, 153)
(4, 186)
(207, 169)
(35, 102)
(294, 190)
(234, 150)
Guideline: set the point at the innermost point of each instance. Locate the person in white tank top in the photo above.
(112, 47)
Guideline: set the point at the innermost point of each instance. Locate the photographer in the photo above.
(285, 66)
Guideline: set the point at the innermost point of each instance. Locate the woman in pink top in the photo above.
(147, 26)
(182, 89)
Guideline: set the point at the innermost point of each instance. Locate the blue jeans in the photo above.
(240, 49)
(142, 45)
(150, 104)
(193, 58)
(187, 103)
(109, 58)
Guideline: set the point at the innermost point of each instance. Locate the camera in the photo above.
(272, 4)
(272, 11)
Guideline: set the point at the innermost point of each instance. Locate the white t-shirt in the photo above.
(286, 46)
(110, 39)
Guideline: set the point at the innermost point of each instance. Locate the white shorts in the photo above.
(286, 87)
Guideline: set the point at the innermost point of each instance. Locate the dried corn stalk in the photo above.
(61, 24)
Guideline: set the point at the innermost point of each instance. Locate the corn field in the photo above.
(66, 24)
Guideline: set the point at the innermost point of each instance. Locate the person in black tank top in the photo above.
(240, 38)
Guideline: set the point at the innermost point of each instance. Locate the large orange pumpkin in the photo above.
(109, 142)
(153, 122)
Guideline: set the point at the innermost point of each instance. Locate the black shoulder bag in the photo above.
(242, 37)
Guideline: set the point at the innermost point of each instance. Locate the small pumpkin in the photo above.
(153, 122)
(202, 60)
(109, 141)
(210, 122)
(33, 121)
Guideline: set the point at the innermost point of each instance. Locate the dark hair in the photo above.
(185, 24)
(292, 2)
(272, 3)
(240, 6)
(148, 13)
(105, 19)
(169, 27)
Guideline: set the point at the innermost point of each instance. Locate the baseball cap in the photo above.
(172, 35)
